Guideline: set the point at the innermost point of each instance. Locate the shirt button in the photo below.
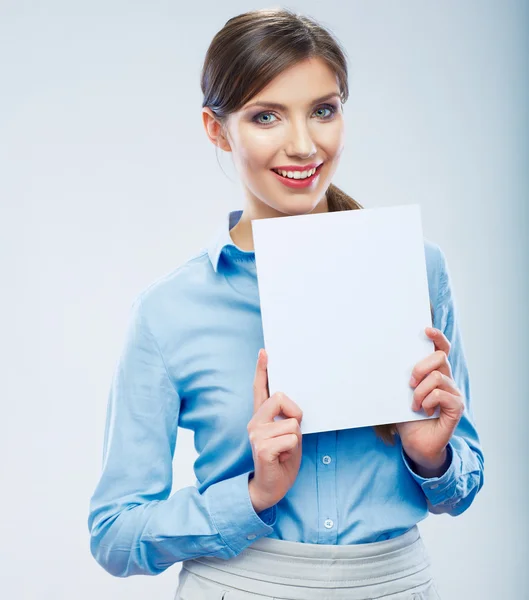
(329, 523)
(326, 460)
(252, 536)
(434, 485)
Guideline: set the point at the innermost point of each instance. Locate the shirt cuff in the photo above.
(231, 509)
(438, 490)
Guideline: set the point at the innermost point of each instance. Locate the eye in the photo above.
(255, 119)
(323, 107)
(328, 107)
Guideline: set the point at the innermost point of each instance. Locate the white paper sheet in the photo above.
(344, 304)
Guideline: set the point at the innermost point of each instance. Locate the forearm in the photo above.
(454, 489)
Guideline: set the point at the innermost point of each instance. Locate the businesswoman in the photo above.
(273, 514)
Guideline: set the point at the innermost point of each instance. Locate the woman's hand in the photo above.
(276, 445)
(425, 441)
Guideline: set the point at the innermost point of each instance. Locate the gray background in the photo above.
(107, 181)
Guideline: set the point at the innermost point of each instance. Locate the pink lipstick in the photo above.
(298, 183)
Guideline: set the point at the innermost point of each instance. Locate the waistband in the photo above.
(276, 563)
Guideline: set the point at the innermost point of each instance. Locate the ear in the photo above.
(214, 130)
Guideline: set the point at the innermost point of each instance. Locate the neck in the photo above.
(241, 233)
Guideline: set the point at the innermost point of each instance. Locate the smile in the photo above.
(298, 179)
(296, 174)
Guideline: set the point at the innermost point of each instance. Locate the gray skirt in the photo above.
(398, 568)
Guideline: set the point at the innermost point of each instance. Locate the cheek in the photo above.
(332, 139)
(339, 150)
(257, 151)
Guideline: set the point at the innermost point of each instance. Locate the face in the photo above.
(306, 131)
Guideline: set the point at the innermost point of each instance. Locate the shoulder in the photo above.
(173, 292)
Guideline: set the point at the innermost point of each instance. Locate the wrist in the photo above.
(430, 467)
(257, 503)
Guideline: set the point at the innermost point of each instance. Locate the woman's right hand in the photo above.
(276, 445)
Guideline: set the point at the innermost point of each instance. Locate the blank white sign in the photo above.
(344, 304)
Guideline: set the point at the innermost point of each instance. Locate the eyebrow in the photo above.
(283, 107)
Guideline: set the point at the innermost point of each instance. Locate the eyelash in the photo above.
(331, 107)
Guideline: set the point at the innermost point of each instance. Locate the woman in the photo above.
(273, 515)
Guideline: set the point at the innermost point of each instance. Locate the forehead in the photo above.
(300, 84)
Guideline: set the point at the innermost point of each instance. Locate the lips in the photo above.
(296, 170)
(297, 167)
(297, 183)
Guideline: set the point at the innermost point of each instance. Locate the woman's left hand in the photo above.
(425, 441)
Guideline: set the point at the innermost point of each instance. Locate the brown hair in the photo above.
(248, 53)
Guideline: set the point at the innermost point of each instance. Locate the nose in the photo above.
(300, 142)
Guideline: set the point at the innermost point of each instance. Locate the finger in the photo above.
(433, 380)
(277, 428)
(260, 384)
(269, 450)
(452, 405)
(438, 360)
(440, 340)
(276, 404)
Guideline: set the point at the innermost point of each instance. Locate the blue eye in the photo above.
(328, 107)
(262, 115)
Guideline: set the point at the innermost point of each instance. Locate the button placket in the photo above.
(326, 452)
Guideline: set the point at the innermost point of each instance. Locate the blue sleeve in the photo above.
(135, 527)
(454, 491)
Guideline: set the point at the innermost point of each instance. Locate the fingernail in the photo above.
(432, 330)
(413, 382)
(258, 355)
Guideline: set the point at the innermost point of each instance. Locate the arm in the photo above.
(452, 487)
(135, 527)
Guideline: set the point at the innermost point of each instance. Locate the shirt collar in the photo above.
(222, 242)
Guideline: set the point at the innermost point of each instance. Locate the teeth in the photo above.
(296, 174)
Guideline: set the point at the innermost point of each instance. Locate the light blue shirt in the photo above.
(189, 361)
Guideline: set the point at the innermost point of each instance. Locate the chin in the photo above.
(289, 202)
(292, 211)
(299, 204)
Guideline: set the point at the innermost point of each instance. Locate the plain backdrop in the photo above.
(108, 181)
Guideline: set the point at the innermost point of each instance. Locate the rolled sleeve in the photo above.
(443, 489)
(233, 514)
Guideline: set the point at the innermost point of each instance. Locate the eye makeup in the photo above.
(332, 107)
